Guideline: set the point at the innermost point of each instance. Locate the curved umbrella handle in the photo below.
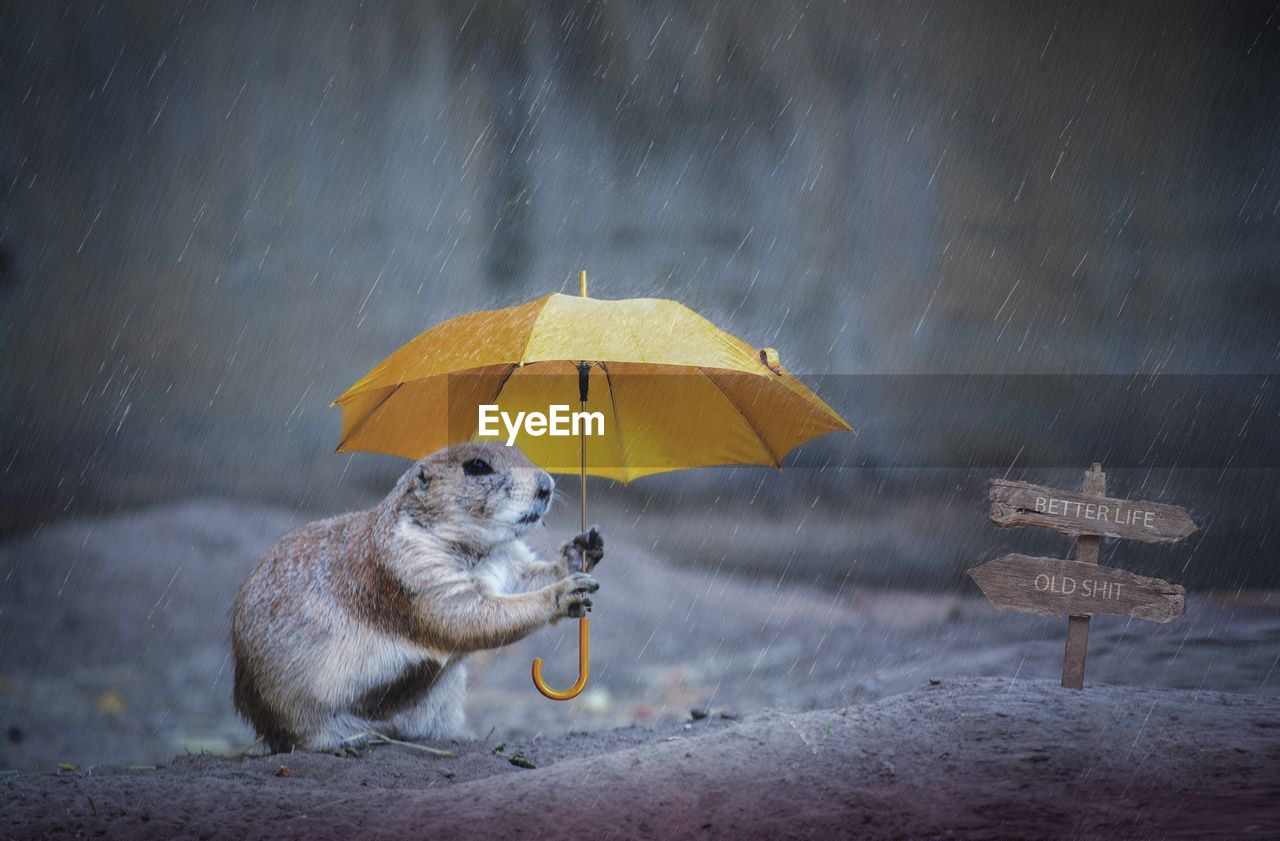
(584, 633)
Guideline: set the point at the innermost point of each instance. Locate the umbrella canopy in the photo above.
(674, 390)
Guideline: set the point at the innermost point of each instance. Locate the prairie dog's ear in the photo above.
(417, 481)
(417, 500)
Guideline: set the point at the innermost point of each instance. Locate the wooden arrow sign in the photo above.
(1075, 513)
(1055, 586)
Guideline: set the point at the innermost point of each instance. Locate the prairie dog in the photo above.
(358, 625)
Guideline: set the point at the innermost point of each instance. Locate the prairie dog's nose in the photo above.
(545, 485)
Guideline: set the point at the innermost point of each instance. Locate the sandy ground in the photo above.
(824, 716)
(969, 758)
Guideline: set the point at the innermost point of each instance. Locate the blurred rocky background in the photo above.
(214, 217)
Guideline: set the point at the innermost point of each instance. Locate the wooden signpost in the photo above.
(1080, 588)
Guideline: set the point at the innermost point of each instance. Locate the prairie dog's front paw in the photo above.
(584, 551)
(571, 595)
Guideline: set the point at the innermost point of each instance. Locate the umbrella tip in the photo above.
(582, 282)
(769, 356)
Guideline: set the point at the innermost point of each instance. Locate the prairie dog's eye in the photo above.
(476, 467)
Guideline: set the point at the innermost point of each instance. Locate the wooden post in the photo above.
(1095, 484)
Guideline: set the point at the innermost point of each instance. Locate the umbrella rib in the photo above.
(494, 399)
(503, 384)
(773, 460)
(617, 421)
(533, 328)
(635, 341)
(365, 419)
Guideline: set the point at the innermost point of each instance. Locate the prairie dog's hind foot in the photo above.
(342, 732)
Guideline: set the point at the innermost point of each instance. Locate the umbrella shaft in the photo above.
(584, 385)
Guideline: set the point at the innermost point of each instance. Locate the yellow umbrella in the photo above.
(662, 388)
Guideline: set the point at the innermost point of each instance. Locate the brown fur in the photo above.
(249, 701)
(372, 593)
(387, 699)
